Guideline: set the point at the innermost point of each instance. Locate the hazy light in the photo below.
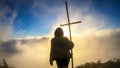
(66, 31)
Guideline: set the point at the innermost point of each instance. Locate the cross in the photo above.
(69, 25)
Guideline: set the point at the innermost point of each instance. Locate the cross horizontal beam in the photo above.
(70, 23)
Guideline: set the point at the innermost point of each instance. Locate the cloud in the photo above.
(34, 40)
(7, 16)
(90, 19)
(11, 47)
(8, 48)
(97, 44)
(89, 46)
(34, 52)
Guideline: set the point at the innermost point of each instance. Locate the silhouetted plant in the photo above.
(108, 64)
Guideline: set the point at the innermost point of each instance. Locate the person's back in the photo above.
(60, 47)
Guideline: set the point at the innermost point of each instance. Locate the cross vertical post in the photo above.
(69, 31)
(69, 25)
(68, 19)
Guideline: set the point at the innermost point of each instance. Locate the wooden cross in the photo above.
(70, 29)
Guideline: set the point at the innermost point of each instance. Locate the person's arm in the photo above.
(51, 52)
(70, 44)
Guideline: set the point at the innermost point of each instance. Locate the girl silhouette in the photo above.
(60, 49)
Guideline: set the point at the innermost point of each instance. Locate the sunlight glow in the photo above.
(66, 31)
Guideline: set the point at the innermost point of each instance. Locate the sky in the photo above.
(26, 27)
(37, 17)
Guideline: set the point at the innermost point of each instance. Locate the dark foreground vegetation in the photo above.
(108, 64)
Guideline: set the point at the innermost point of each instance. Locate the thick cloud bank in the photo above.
(11, 47)
(34, 52)
(89, 46)
(8, 48)
(97, 44)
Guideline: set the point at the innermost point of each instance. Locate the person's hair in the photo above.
(59, 32)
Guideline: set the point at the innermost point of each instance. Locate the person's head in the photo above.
(59, 32)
